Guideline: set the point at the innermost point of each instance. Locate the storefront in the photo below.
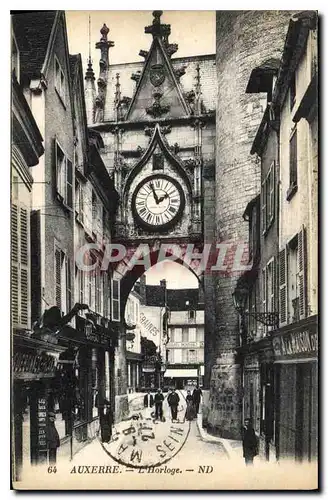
(182, 377)
(63, 375)
(134, 370)
(296, 395)
(258, 393)
(34, 366)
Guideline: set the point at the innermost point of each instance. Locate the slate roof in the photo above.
(32, 31)
(176, 299)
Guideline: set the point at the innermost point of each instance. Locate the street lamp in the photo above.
(239, 297)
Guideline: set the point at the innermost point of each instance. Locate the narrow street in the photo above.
(140, 441)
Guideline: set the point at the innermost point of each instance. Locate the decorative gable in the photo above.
(158, 93)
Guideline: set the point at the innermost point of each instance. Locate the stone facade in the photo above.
(172, 117)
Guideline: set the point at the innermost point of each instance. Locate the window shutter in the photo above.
(263, 207)
(58, 278)
(24, 267)
(116, 313)
(283, 286)
(105, 294)
(274, 285)
(14, 266)
(55, 170)
(264, 295)
(301, 264)
(68, 285)
(69, 185)
(14, 294)
(14, 233)
(272, 192)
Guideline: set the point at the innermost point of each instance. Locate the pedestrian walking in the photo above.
(189, 415)
(106, 424)
(196, 396)
(250, 442)
(100, 403)
(53, 440)
(159, 398)
(173, 402)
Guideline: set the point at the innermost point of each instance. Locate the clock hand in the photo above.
(154, 193)
(163, 197)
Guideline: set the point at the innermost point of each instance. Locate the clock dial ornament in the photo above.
(158, 202)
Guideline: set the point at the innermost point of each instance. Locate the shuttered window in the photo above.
(268, 199)
(58, 262)
(68, 285)
(64, 176)
(283, 286)
(116, 312)
(69, 188)
(293, 159)
(105, 294)
(263, 207)
(20, 266)
(301, 264)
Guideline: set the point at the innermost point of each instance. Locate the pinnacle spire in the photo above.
(89, 75)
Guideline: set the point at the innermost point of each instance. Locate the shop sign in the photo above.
(33, 363)
(251, 362)
(148, 368)
(295, 344)
(42, 424)
(97, 338)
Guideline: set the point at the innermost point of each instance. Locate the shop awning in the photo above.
(182, 372)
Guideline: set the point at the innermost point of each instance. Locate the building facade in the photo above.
(238, 117)
(280, 356)
(185, 348)
(66, 356)
(133, 346)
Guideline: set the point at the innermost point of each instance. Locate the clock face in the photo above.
(158, 202)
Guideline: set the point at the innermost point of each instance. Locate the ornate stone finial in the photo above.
(157, 29)
(157, 16)
(104, 32)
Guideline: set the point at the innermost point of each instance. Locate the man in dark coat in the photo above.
(100, 403)
(159, 398)
(52, 438)
(196, 396)
(173, 402)
(148, 400)
(250, 444)
(106, 424)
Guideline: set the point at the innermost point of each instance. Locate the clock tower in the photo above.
(156, 117)
(157, 120)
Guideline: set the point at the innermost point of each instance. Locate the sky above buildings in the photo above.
(193, 31)
(176, 275)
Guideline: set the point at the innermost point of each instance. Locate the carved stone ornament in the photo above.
(156, 109)
(157, 74)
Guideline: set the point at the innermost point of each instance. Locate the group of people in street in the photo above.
(173, 400)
